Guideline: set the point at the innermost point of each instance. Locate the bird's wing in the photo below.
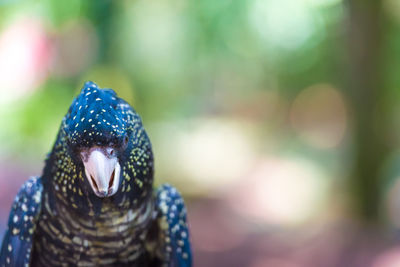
(17, 243)
(174, 244)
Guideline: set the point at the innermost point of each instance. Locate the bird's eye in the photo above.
(126, 139)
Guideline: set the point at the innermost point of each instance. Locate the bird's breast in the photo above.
(113, 237)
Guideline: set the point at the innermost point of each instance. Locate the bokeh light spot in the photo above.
(25, 51)
(283, 23)
(210, 154)
(281, 191)
(319, 116)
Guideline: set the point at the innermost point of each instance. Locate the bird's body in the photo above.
(94, 204)
(114, 237)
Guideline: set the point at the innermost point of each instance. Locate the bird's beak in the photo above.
(102, 172)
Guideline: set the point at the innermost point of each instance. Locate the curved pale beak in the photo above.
(102, 172)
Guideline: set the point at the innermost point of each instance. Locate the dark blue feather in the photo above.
(17, 243)
(174, 230)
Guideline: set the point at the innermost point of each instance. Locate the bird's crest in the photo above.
(97, 117)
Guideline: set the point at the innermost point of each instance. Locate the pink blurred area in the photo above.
(25, 53)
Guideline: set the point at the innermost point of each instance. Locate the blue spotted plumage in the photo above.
(17, 245)
(172, 213)
(94, 204)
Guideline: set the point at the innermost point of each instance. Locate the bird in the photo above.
(95, 203)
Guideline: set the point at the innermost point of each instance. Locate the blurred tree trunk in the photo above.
(366, 91)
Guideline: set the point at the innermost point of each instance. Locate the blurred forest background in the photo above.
(279, 120)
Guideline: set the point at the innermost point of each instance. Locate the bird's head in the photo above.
(102, 150)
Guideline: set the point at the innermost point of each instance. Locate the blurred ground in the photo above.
(222, 236)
